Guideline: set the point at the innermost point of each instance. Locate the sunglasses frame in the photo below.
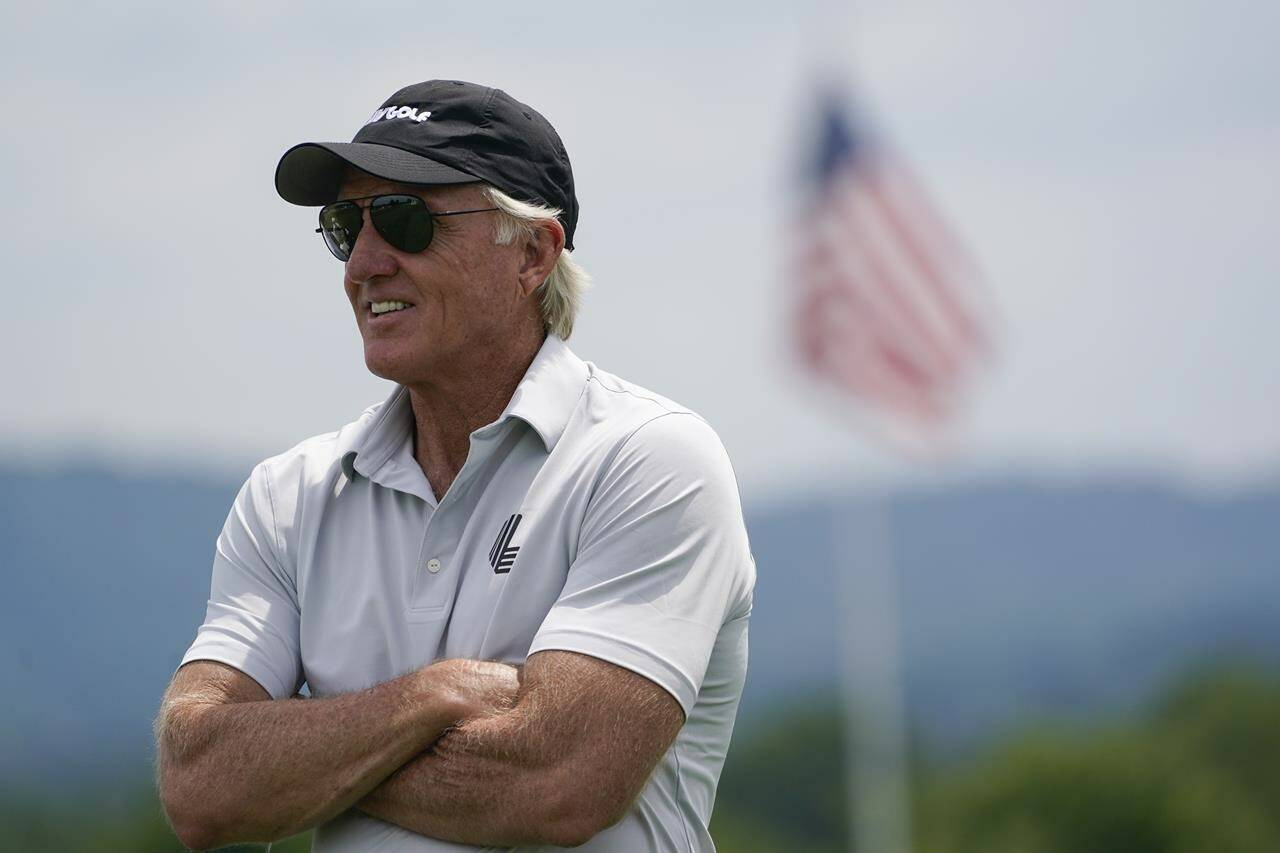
(372, 199)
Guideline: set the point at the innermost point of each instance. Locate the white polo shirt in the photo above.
(592, 516)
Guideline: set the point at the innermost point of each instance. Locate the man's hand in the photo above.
(234, 765)
(475, 688)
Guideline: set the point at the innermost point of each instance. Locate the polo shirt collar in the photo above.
(544, 399)
(549, 391)
(388, 434)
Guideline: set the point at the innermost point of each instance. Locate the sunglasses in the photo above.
(404, 221)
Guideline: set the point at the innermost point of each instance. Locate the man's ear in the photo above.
(540, 255)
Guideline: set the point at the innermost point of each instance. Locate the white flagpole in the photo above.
(860, 540)
(875, 730)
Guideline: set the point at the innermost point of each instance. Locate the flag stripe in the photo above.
(847, 269)
(845, 353)
(893, 282)
(956, 315)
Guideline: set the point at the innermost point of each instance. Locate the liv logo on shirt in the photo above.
(503, 554)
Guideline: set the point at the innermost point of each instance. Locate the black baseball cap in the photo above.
(442, 132)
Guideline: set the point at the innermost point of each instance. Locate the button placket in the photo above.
(433, 579)
(422, 602)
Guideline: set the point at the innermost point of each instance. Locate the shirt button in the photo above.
(433, 565)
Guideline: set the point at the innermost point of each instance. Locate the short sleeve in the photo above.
(663, 560)
(252, 619)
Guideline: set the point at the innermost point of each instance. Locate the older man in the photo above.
(517, 590)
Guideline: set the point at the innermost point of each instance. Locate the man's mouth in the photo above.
(379, 308)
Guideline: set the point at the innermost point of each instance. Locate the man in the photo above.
(517, 590)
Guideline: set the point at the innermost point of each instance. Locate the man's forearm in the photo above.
(562, 765)
(261, 770)
(485, 782)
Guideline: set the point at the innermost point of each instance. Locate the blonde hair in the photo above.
(562, 291)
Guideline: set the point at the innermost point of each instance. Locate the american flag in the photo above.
(881, 311)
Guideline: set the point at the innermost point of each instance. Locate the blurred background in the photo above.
(1087, 619)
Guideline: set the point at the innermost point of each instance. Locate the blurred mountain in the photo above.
(1024, 600)
(1018, 599)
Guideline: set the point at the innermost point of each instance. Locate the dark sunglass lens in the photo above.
(340, 224)
(402, 220)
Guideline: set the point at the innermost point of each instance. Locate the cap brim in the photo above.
(310, 174)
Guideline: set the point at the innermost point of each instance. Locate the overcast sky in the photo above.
(1114, 168)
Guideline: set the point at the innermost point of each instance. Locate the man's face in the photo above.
(464, 290)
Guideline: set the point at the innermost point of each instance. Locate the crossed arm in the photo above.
(570, 743)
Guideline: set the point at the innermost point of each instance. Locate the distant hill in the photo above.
(1023, 599)
(106, 579)
(1017, 598)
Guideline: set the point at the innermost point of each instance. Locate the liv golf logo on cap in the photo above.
(399, 112)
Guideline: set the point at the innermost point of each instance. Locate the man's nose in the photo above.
(371, 256)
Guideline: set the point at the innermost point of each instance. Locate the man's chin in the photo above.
(398, 370)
